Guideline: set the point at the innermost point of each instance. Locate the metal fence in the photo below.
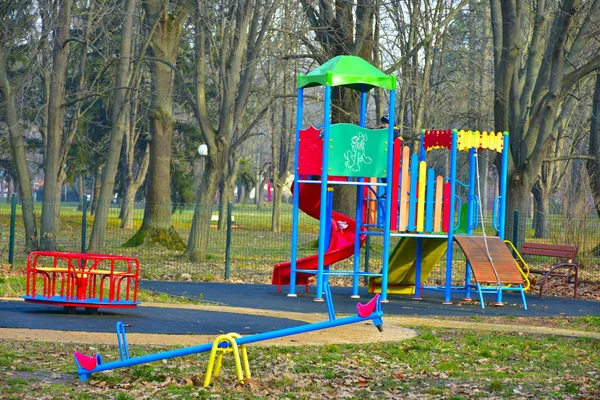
(253, 248)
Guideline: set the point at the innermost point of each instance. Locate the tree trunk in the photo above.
(157, 225)
(228, 188)
(242, 29)
(197, 246)
(260, 192)
(593, 166)
(119, 112)
(18, 154)
(50, 206)
(519, 200)
(276, 215)
(81, 194)
(96, 189)
(541, 212)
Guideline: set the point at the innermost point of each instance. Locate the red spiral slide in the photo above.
(341, 244)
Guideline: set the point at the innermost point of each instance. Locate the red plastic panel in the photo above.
(446, 203)
(437, 138)
(310, 154)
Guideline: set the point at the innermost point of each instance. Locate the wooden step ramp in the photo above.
(477, 255)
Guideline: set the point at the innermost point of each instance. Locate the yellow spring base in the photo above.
(233, 348)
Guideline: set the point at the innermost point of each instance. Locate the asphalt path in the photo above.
(177, 321)
(266, 297)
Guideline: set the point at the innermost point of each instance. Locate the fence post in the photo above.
(84, 223)
(228, 244)
(13, 221)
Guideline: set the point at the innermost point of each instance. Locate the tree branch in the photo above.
(569, 158)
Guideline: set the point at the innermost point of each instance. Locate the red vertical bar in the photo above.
(446, 202)
(395, 179)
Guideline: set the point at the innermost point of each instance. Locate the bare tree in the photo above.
(14, 24)
(226, 65)
(120, 108)
(535, 69)
(593, 165)
(52, 170)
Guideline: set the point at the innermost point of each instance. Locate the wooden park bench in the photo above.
(567, 268)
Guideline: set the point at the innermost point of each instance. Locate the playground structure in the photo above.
(85, 280)
(229, 343)
(397, 196)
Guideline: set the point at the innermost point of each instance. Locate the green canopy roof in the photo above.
(350, 71)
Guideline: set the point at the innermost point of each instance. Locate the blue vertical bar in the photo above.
(323, 207)
(503, 182)
(358, 219)
(453, 152)
(299, 103)
(363, 107)
(429, 203)
(418, 265)
(359, 205)
(471, 212)
(422, 152)
(412, 202)
(328, 217)
(388, 194)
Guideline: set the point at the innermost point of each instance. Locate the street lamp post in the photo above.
(203, 151)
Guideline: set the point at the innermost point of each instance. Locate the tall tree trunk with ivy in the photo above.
(157, 225)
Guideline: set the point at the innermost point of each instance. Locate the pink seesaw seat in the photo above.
(86, 362)
(364, 310)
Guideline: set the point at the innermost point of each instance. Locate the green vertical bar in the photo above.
(516, 229)
(84, 223)
(13, 221)
(228, 245)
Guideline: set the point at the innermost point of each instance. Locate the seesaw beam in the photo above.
(375, 316)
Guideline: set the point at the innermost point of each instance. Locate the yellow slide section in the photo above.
(402, 264)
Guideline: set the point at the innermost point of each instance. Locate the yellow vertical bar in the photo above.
(421, 197)
(437, 214)
(499, 142)
(491, 145)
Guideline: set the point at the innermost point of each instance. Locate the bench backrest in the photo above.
(550, 250)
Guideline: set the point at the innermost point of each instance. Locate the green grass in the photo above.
(442, 363)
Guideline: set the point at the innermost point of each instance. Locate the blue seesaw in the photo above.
(231, 342)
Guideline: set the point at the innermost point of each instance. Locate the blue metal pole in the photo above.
(376, 317)
(359, 206)
(422, 151)
(388, 196)
(453, 153)
(292, 289)
(13, 224)
(323, 206)
(503, 183)
(418, 265)
(358, 219)
(363, 107)
(471, 212)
